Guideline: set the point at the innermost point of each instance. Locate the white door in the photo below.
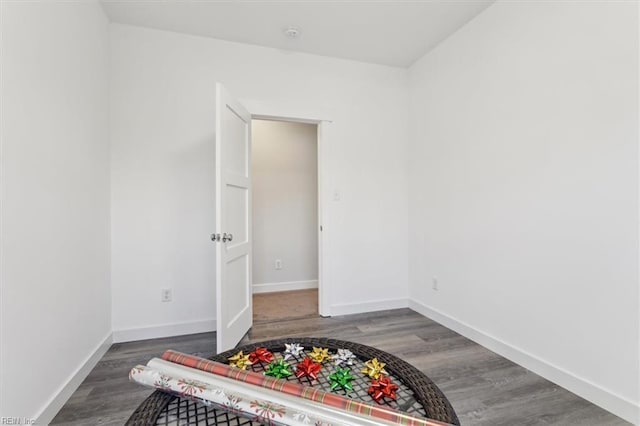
(234, 314)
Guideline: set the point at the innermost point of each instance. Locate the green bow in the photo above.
(278, 369)
(341, 379)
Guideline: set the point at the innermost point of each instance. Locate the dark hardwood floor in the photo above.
(484, 388)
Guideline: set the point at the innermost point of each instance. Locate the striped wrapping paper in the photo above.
(306, 392)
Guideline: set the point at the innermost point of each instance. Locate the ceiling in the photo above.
(391, 32)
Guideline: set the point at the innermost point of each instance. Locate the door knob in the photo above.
(226, 237)
(215, 237)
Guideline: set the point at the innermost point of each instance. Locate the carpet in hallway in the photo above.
(278, 306)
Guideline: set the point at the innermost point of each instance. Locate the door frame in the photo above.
(274, 113)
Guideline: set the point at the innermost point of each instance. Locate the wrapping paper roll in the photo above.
(251, 401)
(256, 409)
(366, 412)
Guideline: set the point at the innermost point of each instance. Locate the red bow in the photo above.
(260, 355)
(383, 388)
(308, 368)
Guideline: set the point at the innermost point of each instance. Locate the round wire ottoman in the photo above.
(417, 394)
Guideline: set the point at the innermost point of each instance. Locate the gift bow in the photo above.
(292, 350)
(341, 379)
(261, 355)
(240, 360)
(383, 388)
(343, 357)
(278, 369)
(308, 368)
(320, 355)
(374, 368)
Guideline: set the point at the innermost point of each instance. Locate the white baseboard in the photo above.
(368, 306)
(285, 286)
(604, 398)
(163, 330)
(54, 405)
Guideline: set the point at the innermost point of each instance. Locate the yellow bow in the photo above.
(320, 355)
(374, 368)
(239, 360)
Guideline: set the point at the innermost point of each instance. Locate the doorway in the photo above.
(285, 265)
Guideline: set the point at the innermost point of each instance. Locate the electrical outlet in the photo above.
(166, 295)
(278, 264)
(434, 283)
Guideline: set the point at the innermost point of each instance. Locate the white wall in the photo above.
(524, 190)
(54, 237)
(285, 204)
(162, 118)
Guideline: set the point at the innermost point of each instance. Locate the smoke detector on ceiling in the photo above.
(292, 32)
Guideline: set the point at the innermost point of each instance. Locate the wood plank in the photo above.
(483, 387)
